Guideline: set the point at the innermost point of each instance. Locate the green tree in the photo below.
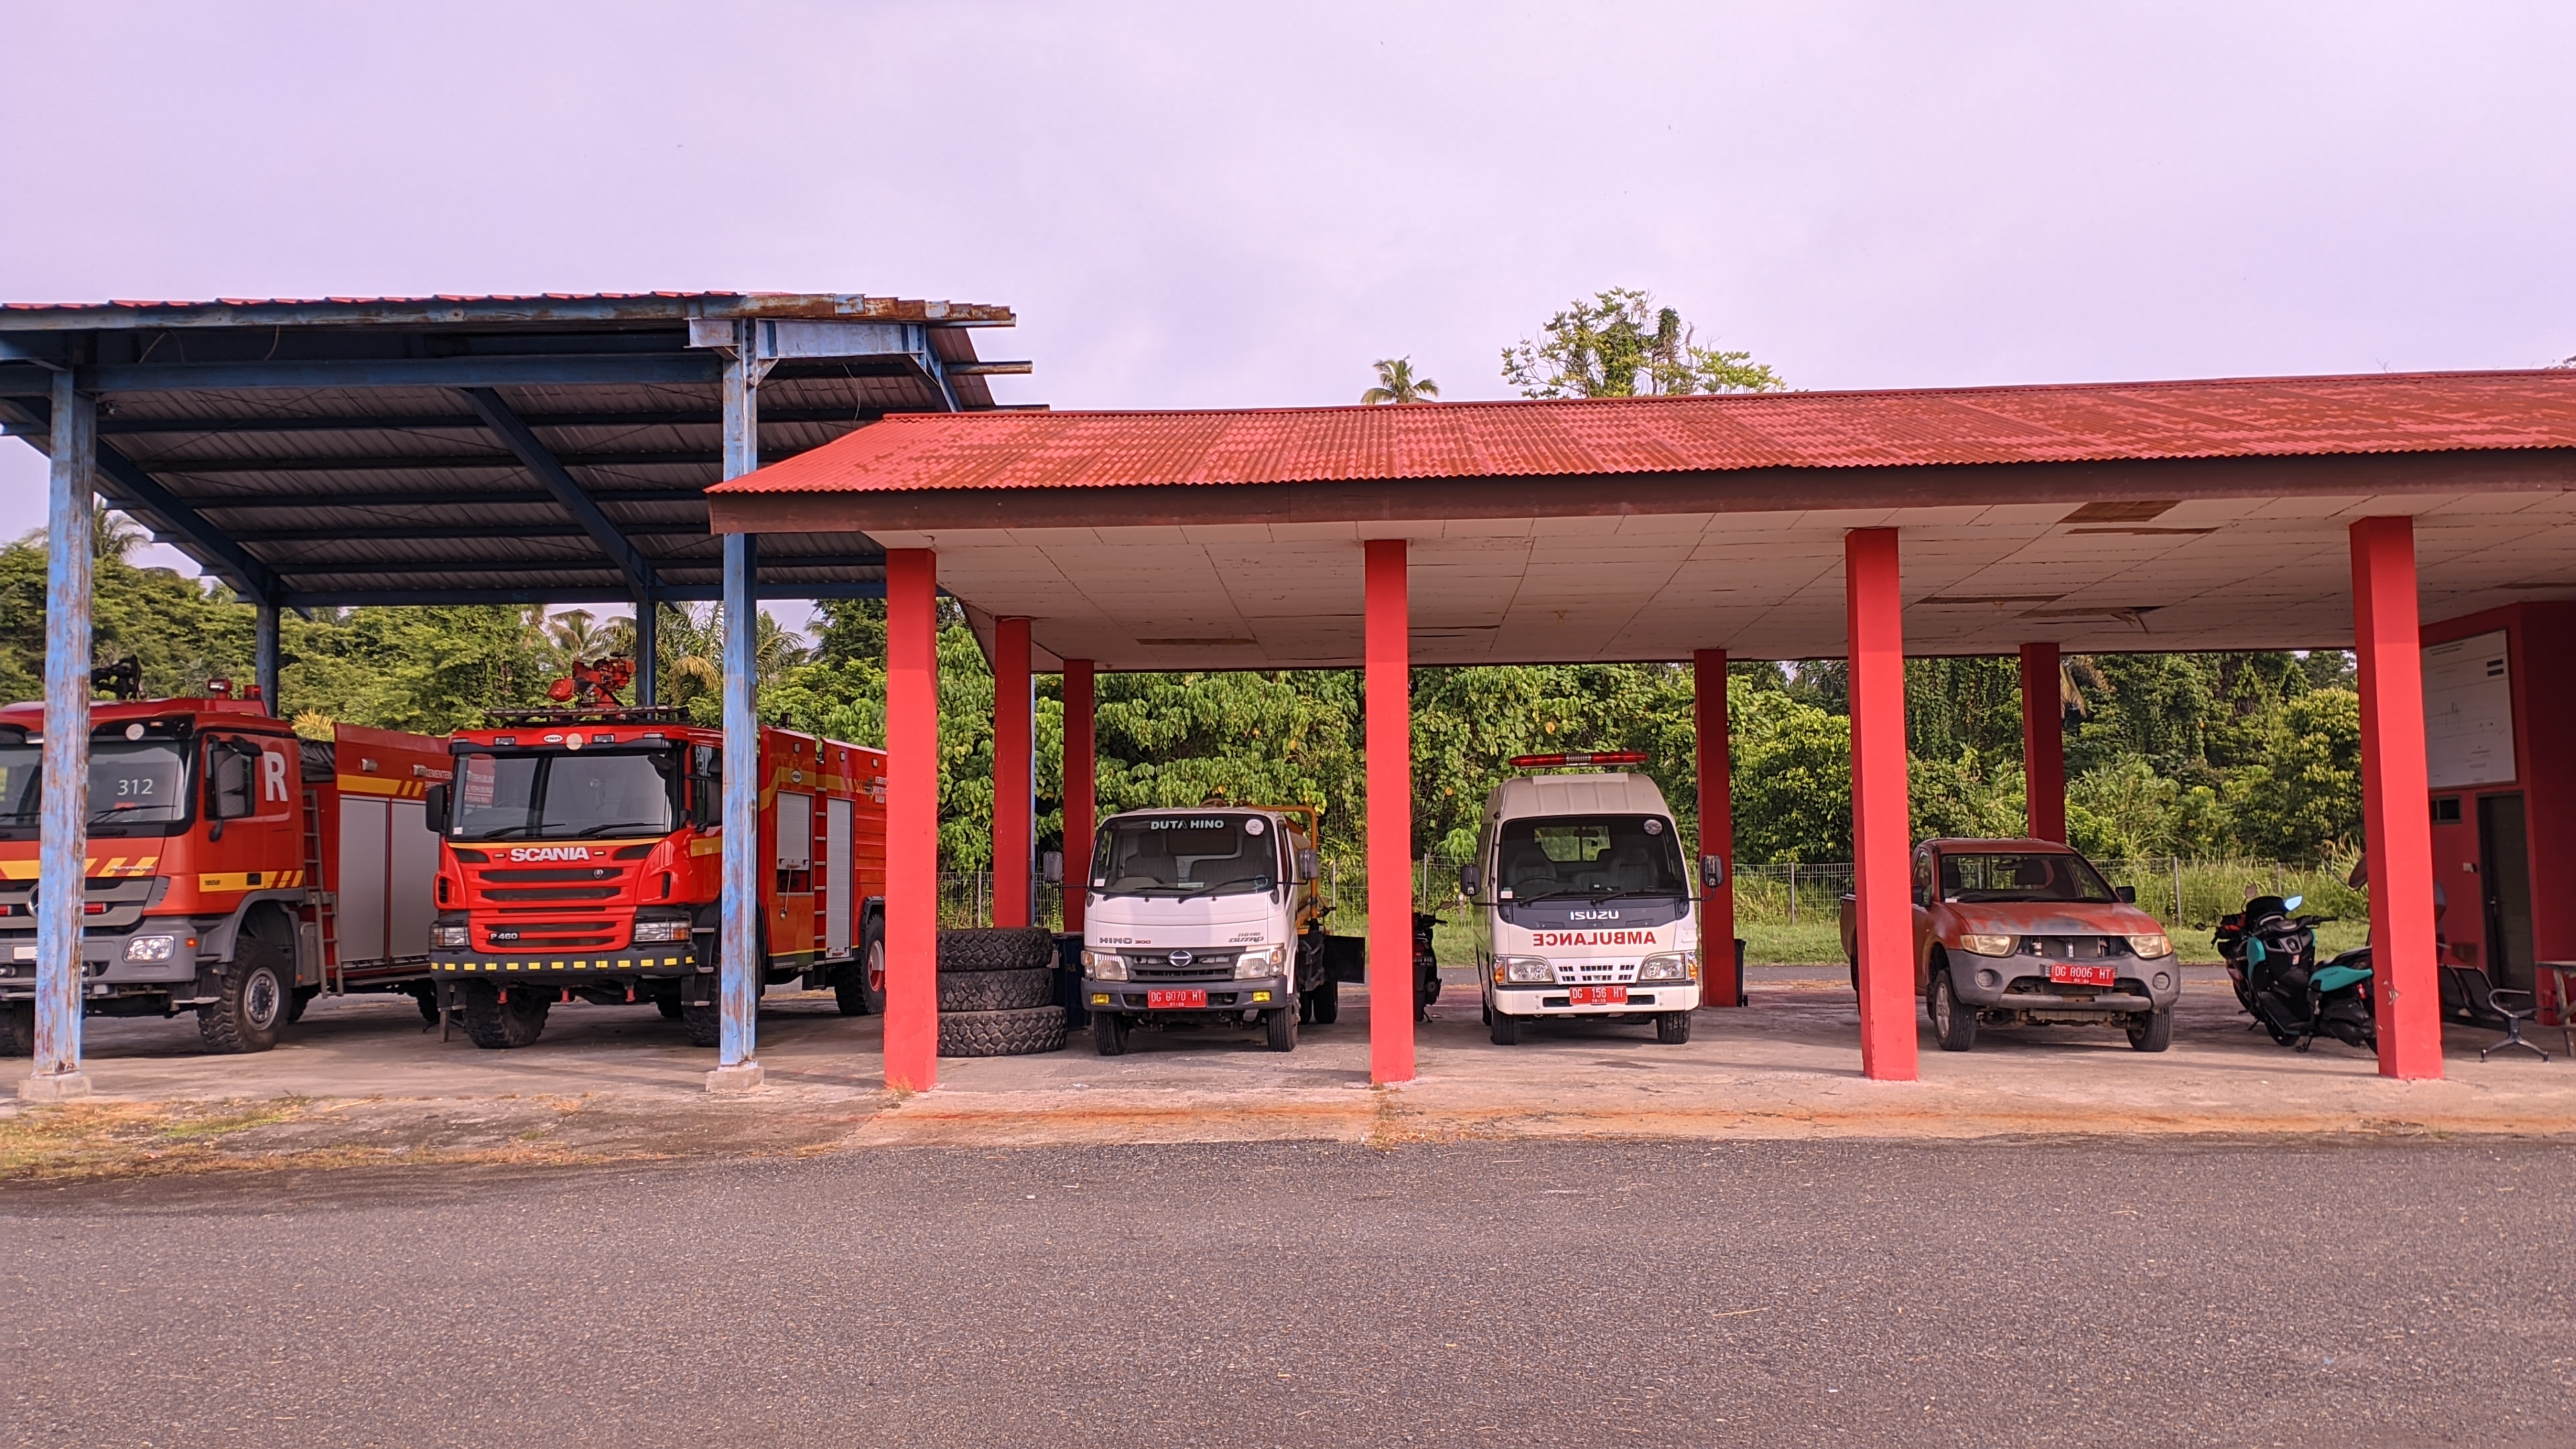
(1397, 384)
(1620, 344)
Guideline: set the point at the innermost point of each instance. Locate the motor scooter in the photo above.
(2271, 961)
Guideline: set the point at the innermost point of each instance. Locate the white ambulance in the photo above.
(1580, 901)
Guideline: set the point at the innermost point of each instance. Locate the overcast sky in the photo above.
(1203, 205)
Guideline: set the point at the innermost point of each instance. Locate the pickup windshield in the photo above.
(563, 795)
(141, 784)
(1540, 856)
(1186, 855)
(1988, 879)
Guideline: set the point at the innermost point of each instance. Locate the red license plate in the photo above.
(2064, 974)
(1176, 999)
(1596, 996)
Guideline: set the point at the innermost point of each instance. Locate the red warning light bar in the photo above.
(1618, 757)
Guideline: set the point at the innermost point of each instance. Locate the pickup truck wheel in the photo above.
(1109, 1033)
(2153, 1034)
(495, 1025)
(251, 1003)
(1506, 1029)
(1282, 1029)
(1672, 1028)
(1953, 1025)
(18, 1033)
(1327, 1000)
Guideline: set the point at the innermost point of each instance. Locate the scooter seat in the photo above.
(2336, 978)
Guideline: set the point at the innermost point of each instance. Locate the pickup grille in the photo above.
(2075, 948)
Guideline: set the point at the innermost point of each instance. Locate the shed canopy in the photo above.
(477, 449)
(2170, 515)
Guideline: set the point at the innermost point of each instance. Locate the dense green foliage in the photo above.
(2198, 755)
(1620, 344)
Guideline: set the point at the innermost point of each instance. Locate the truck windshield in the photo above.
(564, 796)
(1186, 855)
(1972, 879)
(141, 784)
(1540, 856)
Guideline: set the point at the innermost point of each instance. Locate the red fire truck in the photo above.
(233, 867)
(582, 860)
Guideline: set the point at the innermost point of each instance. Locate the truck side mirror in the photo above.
(2128, 894)
(1309, 866)
(1712, 871)
(1471, 880)
(1051, 867)
(434, 809)
(229, 793)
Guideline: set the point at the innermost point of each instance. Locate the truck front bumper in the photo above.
(2019, 986)
(1224, 998)
(1543, 1000)
(675, 959)
(105, 970)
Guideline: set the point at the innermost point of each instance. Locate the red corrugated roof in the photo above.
(2086, 422)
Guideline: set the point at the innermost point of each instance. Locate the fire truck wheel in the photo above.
(1001, 1033)
(996, 949)
(1280, 1030)
(859, 988)
(669, 1006)
(18, 1033)
(252, 1003)
(424, 994)
(704, 1024)
(493, 1024)
(302, 998)
(996, 990)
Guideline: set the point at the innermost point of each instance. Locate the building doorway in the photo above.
(2504, 873)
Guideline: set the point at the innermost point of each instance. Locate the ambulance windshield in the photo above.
(1186, 855)
(562, 795)
(1540, 857)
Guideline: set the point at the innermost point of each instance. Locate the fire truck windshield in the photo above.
(142, 785)
(561, 795)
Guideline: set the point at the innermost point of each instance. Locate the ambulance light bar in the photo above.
(1617, 757)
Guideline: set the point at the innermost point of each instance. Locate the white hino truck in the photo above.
(1580, 902)
(1208, 916)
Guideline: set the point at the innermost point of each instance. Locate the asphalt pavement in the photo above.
(1923, 1293)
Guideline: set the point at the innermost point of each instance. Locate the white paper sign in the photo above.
(2468, 713)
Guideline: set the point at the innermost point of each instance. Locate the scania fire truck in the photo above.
(581, 859)
(232, 867)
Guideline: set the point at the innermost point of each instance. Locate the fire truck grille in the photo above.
(553, 893)
(532, 877)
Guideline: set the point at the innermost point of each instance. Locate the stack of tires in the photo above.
(997, 994)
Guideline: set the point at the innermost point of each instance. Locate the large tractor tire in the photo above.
(1001, 1033)
(996, 990)
(255, 994)
(493, 1024)
(996, 949)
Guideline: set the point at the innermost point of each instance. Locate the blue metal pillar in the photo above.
(266, 625)
(648, 649)
(64, 825)
(739, 985)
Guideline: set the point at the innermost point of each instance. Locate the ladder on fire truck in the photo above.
(325, 914)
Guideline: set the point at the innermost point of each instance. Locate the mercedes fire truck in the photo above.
(581, 859)
(233, 868)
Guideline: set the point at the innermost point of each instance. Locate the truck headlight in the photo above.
(151, 948)
(1104, 965)
(1671, 966)
(2154, 943)
(453, 936)
(1525, 970)
(1986, 945)
(658, 931)
(1259, 961)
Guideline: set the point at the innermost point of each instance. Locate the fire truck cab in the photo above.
(581, 859)
(232, 867)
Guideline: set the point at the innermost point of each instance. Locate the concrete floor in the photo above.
(1786, 1066)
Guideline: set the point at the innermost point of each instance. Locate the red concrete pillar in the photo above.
(1716, 826)
(1015, 732)
(912, 819)
(2043, 742)
(1881, 817)
(1081, 787)
(1389, 682)
(2398, 830)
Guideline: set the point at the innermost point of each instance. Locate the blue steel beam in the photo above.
(63, 849)
(541, 462)
(133, 491)
(572, 594)
(739, 985)
(648, 649)
(268, 657)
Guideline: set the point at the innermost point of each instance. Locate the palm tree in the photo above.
(573, 637)
(1397, 384)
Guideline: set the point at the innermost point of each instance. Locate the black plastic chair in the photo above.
(2485, 1007)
